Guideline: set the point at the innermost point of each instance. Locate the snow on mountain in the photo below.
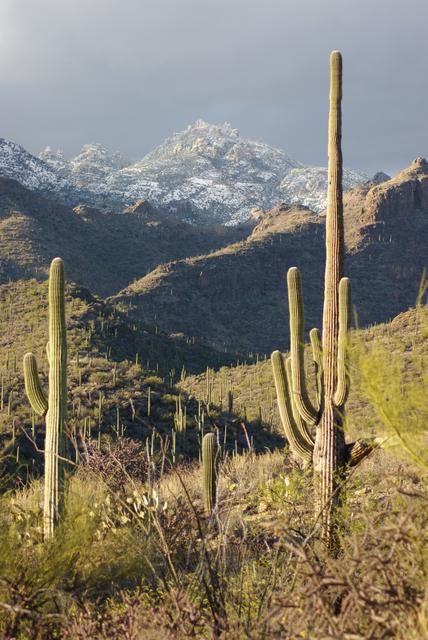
(308, 186)
(93, 166)
(56, 160)
(89, 169)
(208, 170)
(32, 172)
(206, 173)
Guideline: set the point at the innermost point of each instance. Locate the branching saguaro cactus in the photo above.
(210, 458)
(55, 407)
(327, 451)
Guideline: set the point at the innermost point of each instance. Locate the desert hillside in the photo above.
(236, 296)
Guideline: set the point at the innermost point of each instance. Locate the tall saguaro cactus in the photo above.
(55, 407)
(327, 451)
(210, 454)
(330, 443)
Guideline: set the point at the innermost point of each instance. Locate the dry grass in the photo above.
(144, 561)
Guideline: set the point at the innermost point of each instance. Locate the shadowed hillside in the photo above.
(102, 251)
(121, 377)
(237, 298)
(253, 388)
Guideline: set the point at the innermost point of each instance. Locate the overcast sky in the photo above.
(128, 73)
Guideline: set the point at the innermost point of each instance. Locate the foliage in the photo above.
(398, 392)
(133, 560)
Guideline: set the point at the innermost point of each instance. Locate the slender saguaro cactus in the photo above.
(209, 471)
(327, 451)
(55, 407)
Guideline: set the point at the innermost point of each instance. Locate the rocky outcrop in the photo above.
(397, 198)
(377, 212)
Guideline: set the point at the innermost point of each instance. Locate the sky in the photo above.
(129, 73)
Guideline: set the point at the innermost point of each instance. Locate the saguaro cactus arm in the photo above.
(334, 228)
(342, 388)
(293, 429)
(305, 407)
(301, 424)
(33, 387)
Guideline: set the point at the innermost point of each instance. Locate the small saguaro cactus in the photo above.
(210, 458)
(55, 407)
(327, 451)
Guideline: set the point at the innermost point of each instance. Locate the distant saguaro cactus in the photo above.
(55, 407)
(210, 454)
(327, 450)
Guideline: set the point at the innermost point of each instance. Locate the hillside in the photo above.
(253, 389)
(133, 511)
(96, 329)
(386, 235)
(124, 362)
(102, 251)
(236, 297)
(109, 355)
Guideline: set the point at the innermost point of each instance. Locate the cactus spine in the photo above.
(209, 471)
(327, 451)
(55, 407)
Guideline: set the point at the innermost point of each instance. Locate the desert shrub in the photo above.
(134, 560)
(373, 588)
(116, 462)
(153, 381)
(95, 552)
(396, 387)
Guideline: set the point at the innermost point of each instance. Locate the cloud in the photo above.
(127, 73)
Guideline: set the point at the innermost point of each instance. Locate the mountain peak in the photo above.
(419, 163)
(30, 171)
(48, 152)
(96, 153)
(418, 167)
(202, 126)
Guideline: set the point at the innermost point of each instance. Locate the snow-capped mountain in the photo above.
(32, 172)
(206, 173)
(56, 160)
(89, 169)
(308, 186)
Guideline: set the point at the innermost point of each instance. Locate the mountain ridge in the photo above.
(103, 251)
(386, 235)
(204, 174)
